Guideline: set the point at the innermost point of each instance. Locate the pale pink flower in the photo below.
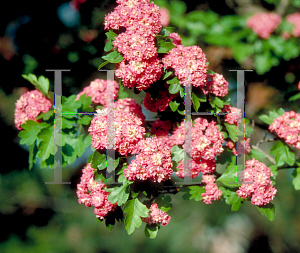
(263, 24)
(29, 106)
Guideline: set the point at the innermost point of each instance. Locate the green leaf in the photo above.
(103, 64)
(108, 46)
(296, 3)
(70, 106)
(177, 8)
(49, 162)
(296, 176)
(45, 115)
(42, 83)
(266, 119)
(167, 74)
(174, 105)
(258, 155)
(267, 210)
(242, 51)
(232, 131)
(229, 177)
(207, 17)
(113, 57)
(262, 62)
(178, 153)
(116, 163)
(163, 202)
(164, 47)
(151, 230)
(193, 192)
(84, 120)
(196, 102)
(73, 147)
(111, 35)
(215, 101)
(135, 210)
(46, 143)
(291, 50)
(295, 97)
(31, 130)
(174, 88)
(118, 194)
(286, 26)
(232, 198)
(67, 123)
(99, 161)
(282, 154)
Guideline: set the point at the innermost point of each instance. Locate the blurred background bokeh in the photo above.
(39, 217)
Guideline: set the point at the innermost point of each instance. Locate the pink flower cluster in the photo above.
(206, 145)
(187, 59)
(263, 24)
(287, 126)
(294, 19)
(161, 103)
(211, 189)
(176, 38)
(140, 66)
(194, 167)
(164, 16)
(257, 183)
(216, 84)
(242, 146)
(97, 91)
(91, 193)
(29, 106)
(157, 216)
(153, 162)
(233, 115)
(128, 131)
(130, 105)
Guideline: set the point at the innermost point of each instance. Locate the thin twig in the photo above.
(270, 158)
(282, 7)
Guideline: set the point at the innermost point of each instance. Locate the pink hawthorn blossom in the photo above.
(187, 59)
(97, 91)
(217, 85)
(29, 106)
(164, 16)
(198, 165)
(257, 183)
(157, 216)
(128, 131)
(130, 105)
(206, 139)
(211, 189)
(263, 24)
(140, 67)
(294, 19)
(176, 39)
(233, 115)
(287, 126)
(92, 193)
(153, 161)
(139, 74)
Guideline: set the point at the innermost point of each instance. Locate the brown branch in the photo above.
(282, 7)
(270, 158)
